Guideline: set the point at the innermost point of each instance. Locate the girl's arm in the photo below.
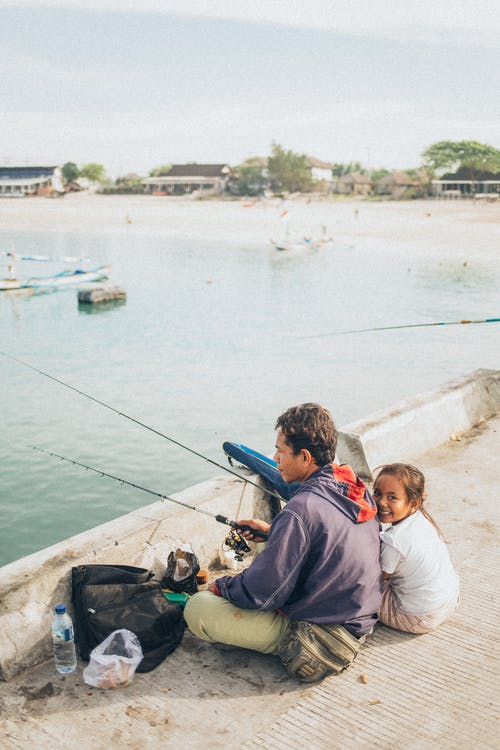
(390, 559)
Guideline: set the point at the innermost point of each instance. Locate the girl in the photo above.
(420, 585)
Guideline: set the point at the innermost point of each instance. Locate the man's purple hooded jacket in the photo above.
(321, 562)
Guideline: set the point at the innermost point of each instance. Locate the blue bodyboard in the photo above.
(261, 465)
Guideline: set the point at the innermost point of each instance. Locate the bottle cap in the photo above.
(60, 609)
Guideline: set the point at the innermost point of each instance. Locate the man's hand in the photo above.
(254, 523)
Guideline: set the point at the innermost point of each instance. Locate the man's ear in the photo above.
(306, 455)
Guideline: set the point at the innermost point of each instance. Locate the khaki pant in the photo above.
(212, 618)
(308, 652)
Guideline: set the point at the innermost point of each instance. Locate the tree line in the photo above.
(290, 171)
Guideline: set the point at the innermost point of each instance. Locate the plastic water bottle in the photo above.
(64, 641)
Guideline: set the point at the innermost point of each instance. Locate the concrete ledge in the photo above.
(30, 587)
(417, 424)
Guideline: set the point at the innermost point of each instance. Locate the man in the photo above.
(313, 592)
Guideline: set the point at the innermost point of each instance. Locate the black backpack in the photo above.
(110, 597)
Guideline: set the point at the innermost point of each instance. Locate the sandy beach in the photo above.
(460, 227)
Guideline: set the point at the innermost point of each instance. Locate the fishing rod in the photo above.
(399, 327)
(220, 518)
(141, 424)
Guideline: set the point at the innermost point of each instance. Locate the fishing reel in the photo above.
(237, 544)
(234, 541)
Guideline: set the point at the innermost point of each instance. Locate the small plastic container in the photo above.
(176, 598)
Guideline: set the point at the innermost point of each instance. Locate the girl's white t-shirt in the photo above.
(418, 561)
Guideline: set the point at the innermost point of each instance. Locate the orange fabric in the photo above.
(356, 491)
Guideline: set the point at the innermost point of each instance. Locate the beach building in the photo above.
(321, 174)
(396, 184)
(17, 182)
(354, 183)
(189, 178)
(450, 188)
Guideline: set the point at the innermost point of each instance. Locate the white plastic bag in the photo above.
(114, 661)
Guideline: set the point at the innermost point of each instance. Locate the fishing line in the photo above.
(399, 327)
(220, 518)
(141, 424)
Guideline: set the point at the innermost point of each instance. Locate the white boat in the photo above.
(303, 245)
(62, 279)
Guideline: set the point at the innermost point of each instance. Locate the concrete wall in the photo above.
(417, 424)
(31, 586)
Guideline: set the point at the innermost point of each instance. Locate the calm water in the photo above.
(215, 339)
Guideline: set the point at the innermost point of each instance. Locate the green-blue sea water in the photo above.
(216, 338)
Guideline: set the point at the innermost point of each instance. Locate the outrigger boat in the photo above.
(62, 279)
(306, 244)
(291, 244)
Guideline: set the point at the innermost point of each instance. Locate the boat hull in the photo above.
(66, 278)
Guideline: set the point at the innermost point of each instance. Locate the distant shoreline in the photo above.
(456, 224)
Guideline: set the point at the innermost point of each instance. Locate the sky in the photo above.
(135, 85)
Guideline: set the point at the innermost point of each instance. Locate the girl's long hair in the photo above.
(414, 483)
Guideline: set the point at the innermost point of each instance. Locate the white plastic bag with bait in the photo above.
(114, 661)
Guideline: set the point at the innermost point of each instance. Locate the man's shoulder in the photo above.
(301, 505)
(308, 498)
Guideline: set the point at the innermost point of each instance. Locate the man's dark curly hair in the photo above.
(310, 426)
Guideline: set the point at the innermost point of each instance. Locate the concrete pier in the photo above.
(421, 422)
(403, 691)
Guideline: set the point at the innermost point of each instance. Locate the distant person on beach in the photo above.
(317, 580)
(420, 585)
